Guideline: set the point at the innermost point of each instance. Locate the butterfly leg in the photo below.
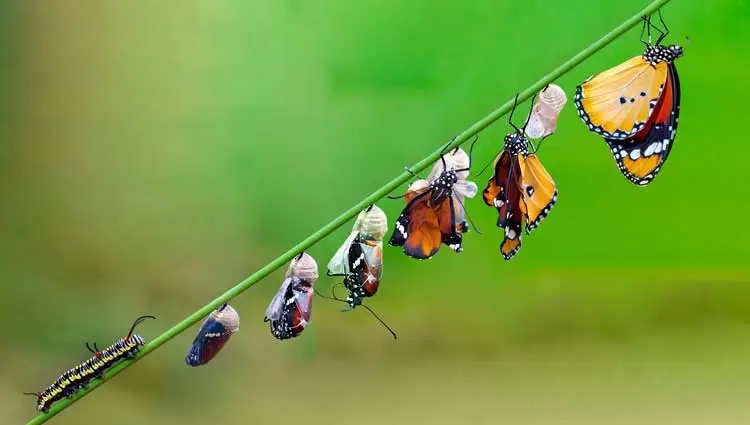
(666, 29)
(512, 111)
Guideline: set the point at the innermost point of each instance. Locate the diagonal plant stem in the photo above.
(353, 211)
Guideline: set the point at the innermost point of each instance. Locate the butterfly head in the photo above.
(516, 144)
(657, 54)
(446, 179)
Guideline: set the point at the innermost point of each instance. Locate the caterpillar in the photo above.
(80, 375)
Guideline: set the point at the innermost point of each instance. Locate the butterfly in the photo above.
(216, 330)
(635, 106)
(521, 189)
(360, 261)
(291, 308)
(360, 257)
(432, 214)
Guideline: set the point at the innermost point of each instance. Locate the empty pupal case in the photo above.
(546, 111)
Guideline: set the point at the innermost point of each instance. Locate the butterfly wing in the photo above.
(511, 220)
(537, 189)
(339, 266)
(446, 214)
(365, 262)
(302, 290)
(502, 192)
(641, 157)
(618, 102)
(417, 229)
(275, 309)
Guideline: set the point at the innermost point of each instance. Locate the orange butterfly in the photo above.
(635, 107)
(434, 212)
(520, 189)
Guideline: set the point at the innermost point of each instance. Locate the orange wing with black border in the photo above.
(641, 157)
(538, 191)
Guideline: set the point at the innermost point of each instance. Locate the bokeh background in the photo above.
(153, 154)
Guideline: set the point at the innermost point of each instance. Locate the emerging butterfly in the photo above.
(635, 107)
(520, 189)
(216, 330)
(360, 260)
(291, 308)
(434, 212)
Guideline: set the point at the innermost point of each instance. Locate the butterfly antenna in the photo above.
(539, 145)
(484, 168)
(333, 293)
(445, 148)
(34, 394)
(385, 325)
(91, 349)
(395, 197)
(476, 229)
(471, 151)
(137, 321)
(96, 348)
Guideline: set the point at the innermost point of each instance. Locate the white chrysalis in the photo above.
(545, 112)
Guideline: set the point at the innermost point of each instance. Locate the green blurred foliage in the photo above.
(153, 154)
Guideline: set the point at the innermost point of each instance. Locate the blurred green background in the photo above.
(155, 153)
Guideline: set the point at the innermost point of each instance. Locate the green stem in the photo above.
(353, 211)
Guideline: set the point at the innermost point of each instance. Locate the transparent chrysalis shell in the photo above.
(373, 223)
(305, 267)
(546, 111)
(228, 317)
(455, 159)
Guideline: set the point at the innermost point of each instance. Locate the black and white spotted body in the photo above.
(443, 186)
(657, 54)
(516, 144)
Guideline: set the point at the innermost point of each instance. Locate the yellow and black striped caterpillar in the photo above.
(80, 375)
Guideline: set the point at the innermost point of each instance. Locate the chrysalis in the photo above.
(543, 119)
(291, 307)
(213, 334)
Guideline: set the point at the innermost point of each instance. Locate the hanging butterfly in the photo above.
(431, 216)
(216, 330)
(635, 107)
(291, 308)
(360, 261)
(520, 189)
